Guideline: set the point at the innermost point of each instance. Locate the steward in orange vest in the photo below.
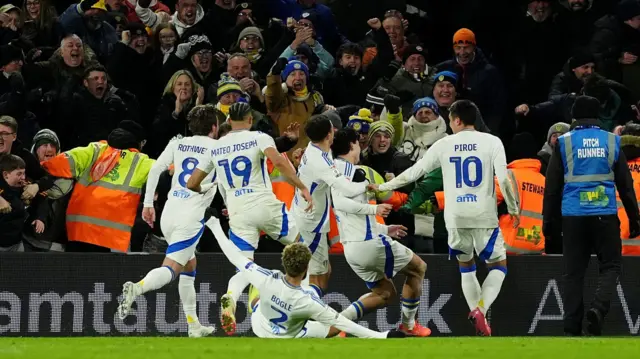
(109, 178)
(630, 145)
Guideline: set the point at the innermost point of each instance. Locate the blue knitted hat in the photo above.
(293, 66)
(425, 102)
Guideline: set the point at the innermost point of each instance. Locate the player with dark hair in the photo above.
(317, 170)
(468, 160)
(239, 159)
(369, 248)
(182, 220)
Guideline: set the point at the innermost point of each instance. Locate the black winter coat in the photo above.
(481, 83)
(11, 223)
(343, 88)
(165, 126)
(140, 75)
(34, 172)
(89, 119)
(610, 39)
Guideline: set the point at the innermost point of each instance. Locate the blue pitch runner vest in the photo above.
(588, 156)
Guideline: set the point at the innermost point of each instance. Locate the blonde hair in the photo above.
(194, 85)
(295, 259)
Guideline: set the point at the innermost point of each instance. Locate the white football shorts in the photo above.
(272, 217)
(377, 258)
(488, 243)
(182, 235)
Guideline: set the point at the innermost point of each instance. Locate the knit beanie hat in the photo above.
(228, 84)
(448, 76)
(292, 66)
(310, 15)
(9, 53)
(585, 107)
(199, 42)
(376, 95)
(425, 102)
(136, 29)
(560, 128)
(251, 31)
(627, 9)
(581, 58)
(414, 50)
(361, 121)
(133, 128)
(44, 137)
(464, 37)
(523, 145)
(380, 126)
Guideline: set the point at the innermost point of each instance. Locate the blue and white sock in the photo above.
(470, 286)
(409, 310)
(157, 278)
(354, 311)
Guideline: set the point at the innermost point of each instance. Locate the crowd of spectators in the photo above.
(72, 72)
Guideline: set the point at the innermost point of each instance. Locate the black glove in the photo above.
(634, 229)
(392, 103)
(394, 334)
(359, 176)
(279, 66)
(87, 4)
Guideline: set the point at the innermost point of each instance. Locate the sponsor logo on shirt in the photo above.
(465, 198)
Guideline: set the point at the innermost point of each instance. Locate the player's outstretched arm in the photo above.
(196, 179)
(162, 164)
(426, 164)
(257, 275)
(506, 187)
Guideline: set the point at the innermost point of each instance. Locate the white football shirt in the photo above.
(318, 172)
(355, 216)
(284, 309)
(185, 154)
(468, 160)
(240, 162)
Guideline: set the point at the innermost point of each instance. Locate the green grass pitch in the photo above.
(337, 348)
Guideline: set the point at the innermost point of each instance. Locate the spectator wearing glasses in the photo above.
(252, 44)
(196, 56)
(10, 145)
(41, 25)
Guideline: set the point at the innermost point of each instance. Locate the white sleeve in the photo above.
(265, 141)
(348, 205)
(429, 162)
(500, 169)
(382, 228)
(206, 164)
(256, 275)
(162, 163)
(329, 317)
(326, 170)
(147, 16)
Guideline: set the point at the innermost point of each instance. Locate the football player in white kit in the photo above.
(182, 220)
(239, 159)
(284, 309)
(369, 248)
(318, 171)
(468, 160)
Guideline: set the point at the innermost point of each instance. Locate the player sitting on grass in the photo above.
(368, 247)
(286, 308)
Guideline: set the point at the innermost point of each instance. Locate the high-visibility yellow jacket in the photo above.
(101, 211)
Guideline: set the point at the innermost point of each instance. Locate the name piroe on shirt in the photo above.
(465, 147)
